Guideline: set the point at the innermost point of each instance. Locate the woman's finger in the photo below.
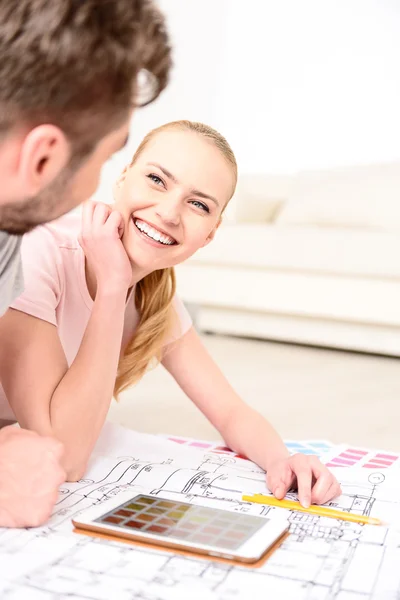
(280, 480)
(324, 481)
(100, 214)
(303, 472)
(87, 214)
(115, 222)
(333, 491)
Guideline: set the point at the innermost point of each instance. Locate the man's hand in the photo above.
(30, 474)
(314, 482)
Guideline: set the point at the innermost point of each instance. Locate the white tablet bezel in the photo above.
(251, 551)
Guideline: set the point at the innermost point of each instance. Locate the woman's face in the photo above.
(172, 198)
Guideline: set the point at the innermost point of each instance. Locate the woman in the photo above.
(99, 305)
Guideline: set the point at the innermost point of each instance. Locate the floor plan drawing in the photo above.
(322, 559)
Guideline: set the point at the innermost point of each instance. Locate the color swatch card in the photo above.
(350, 456)
(214, 447)
(311, 447)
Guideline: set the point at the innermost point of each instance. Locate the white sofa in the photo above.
(312, 258)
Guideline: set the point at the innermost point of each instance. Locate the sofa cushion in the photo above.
(360, 197)
(336, 251)
(258, 198)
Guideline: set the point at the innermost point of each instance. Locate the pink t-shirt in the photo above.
(56, 291)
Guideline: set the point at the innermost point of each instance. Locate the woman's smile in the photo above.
(153, 234)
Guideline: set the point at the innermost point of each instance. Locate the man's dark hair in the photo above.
(75, 64)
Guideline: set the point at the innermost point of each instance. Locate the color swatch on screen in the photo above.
(173, 519)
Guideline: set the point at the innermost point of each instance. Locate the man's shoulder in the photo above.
(11, 279)
(9, 244)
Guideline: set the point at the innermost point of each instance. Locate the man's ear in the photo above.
(45, 152)
(212, 234)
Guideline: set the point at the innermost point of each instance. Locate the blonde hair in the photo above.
(155, 292)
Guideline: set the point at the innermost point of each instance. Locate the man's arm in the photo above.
(30, 474)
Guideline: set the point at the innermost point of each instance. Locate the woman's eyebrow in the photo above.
(174, 179)
(165, 171)
(205, 196)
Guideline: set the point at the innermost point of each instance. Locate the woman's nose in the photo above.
(169, 212)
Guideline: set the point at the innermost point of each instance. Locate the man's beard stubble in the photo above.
(20, 217)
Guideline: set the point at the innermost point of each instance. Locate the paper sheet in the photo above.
(323, 559)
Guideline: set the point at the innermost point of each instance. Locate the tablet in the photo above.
(174, 524)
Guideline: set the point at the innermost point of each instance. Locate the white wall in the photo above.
(197, 32)
(292, 84)
(310, 83)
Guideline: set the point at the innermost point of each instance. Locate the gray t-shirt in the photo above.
(11, 278)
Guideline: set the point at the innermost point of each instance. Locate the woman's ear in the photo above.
(212, 234)
(120, 182)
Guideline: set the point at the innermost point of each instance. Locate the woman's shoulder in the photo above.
(65, 230)
(48, 255)
(52, 237)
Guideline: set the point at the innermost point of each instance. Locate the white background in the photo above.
(292, 84)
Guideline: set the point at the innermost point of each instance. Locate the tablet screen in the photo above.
(194, 524)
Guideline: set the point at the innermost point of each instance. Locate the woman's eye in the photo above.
(201, 205)
(156, 179)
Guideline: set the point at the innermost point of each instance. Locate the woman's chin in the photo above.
(148, 256)
(142, 264)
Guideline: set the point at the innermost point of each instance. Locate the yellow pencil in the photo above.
(321, 511)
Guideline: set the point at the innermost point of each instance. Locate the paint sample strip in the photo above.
(214, 447)
(332, 456)
(382, 460)
(192, 443)
(349, 457)
(360, 457)
(309, 447)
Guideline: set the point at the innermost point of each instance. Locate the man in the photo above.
(68, 83)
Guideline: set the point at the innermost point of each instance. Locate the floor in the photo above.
(305, 392)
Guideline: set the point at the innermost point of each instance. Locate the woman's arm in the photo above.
(242, 428)
(47, 396)
(52, 399)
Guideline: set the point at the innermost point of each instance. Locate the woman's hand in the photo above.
(315, 483)
(102, 230)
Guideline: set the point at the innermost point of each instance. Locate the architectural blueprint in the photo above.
(322, 559)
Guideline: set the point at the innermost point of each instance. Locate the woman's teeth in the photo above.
(153, 233)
